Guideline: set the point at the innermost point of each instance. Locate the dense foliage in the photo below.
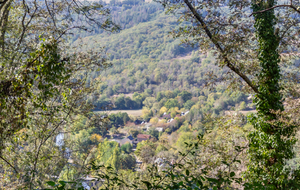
(178, 104)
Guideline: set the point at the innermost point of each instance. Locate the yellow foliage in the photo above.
(196, 106)
(145, 112)
(162, 121)
(182, 110)
(96, 138)
(163, 110)
(176, 109)
(154, 120)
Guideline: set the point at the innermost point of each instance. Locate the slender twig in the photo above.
(66, 30)
(162, 179)
(234, 159)
(287, 29)
(286, 6)
(52, 17)
(45, 139)
(24, 27)
(221, 50)
(84, 161)
(9, 164)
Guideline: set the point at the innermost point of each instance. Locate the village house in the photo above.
(166, 116)
(143, 137)
(137, 122)
(160, 129)
(128, 139)
(140, 138)
(117, 136)
(131, 140)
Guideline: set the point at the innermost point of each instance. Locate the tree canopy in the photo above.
(43, 83)
(51, 79)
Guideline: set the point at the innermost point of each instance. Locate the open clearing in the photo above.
(125, 95)
(182, 57)
(134, 113)
(242, 112)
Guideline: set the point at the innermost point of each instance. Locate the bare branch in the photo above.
(286, 6)
(173, 167)
(287, 29)
(24, 27)
(216, 43)
(3, 23)
(2, 3)
(53, 20)
(9, 164)
(47, 137)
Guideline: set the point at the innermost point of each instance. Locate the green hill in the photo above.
(146, 60)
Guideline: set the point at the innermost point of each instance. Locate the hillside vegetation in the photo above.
(178, 91)
(146, 60)
(205, 98)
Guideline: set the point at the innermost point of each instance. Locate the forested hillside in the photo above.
(177, 90)
(181, 90)
(147, 60)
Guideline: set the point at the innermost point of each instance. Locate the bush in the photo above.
(127, 147)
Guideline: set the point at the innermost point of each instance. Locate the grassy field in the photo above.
(134, 113)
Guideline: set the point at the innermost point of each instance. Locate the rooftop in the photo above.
(143, 136)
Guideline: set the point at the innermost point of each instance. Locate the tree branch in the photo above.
(52, 17)
(4, 11)
(224, 55)
(46, 138)
(288, 6)
(177, 163)
(8, 163)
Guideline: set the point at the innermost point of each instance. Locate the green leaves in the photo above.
(62, 185)
(232, 174)
(187, 172)
(148, 184)
(271, 143)
(51, 183)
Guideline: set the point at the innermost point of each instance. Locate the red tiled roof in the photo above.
(143, 136)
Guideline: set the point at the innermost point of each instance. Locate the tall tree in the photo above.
(271, 143)
(254, 49)
(43, 84)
